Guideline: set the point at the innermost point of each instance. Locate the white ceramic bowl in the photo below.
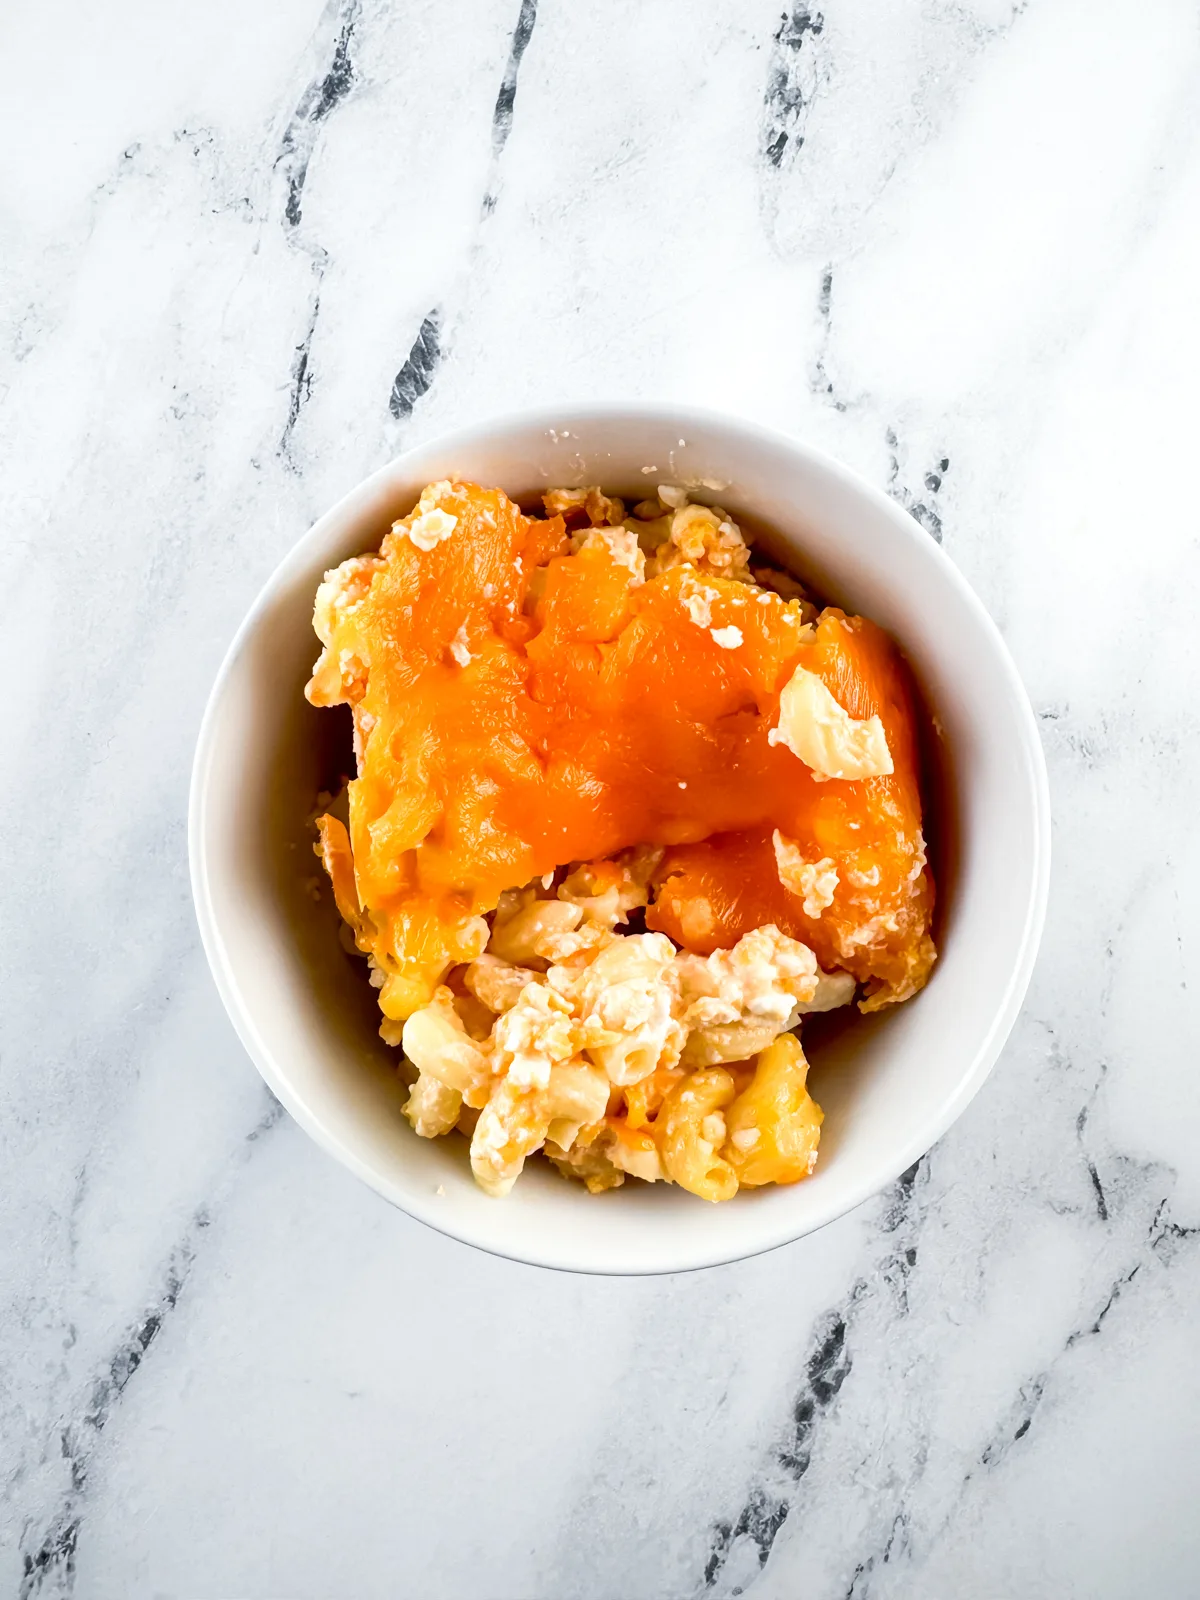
(890, 1085)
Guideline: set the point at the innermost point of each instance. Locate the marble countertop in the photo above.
(250, 251)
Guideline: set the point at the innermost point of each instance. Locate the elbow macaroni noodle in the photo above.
(617, 1053)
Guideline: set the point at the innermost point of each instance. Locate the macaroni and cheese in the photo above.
(626, 808)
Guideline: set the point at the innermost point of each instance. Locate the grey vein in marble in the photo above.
(415, 376)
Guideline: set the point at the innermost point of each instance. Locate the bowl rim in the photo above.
(1035, 783)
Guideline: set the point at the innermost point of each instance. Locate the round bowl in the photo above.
(890, 1084)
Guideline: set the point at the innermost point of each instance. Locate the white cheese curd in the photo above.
(764, 976)
(824, 735)
(622, 545)
(538, 1032)
(696, 599)
(814, 882)
(430, 524)
(628, 998)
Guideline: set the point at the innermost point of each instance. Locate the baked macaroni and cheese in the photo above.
(627, 806)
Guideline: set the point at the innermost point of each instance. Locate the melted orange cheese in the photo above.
(518, 707)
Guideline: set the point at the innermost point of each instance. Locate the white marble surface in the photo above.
(969, 269)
